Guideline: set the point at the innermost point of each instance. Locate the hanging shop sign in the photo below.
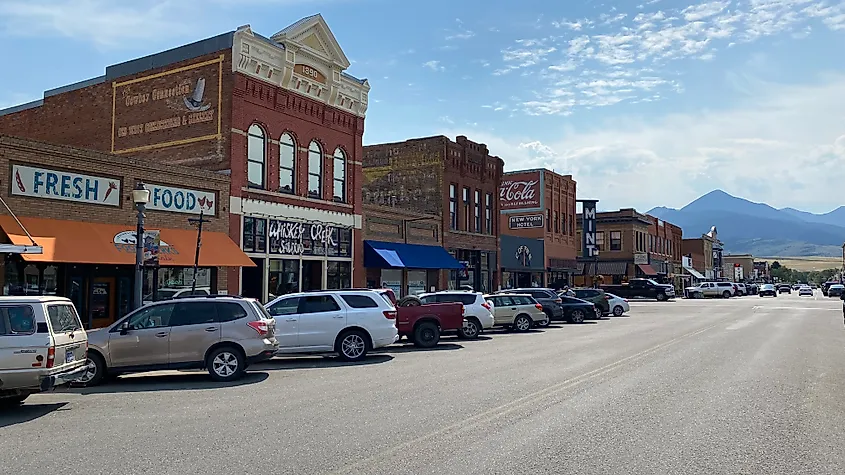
(65, 186)
(181, 200)
(530, 221)
(588, 228)
(156, 250)
(309, 239)
(640, 258)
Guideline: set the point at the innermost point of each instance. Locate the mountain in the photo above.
(757, 228)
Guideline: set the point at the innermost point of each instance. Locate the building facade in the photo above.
(458, 182)
(537, 205)
(665, 251)
(706, 254)
(77, 205)
(622, 241)
(738, 267)
(280, 115)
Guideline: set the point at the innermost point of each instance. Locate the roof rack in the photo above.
(209, 296)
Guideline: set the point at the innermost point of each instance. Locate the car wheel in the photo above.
(12, 401)
(577, 316)
(599, 313)
(547, 322)
(426, 335)
(618, 311)
(470, 330)
(352, 345)
(522, 323)
(95, 371)
(726, 294)
(226, 364)
(661, 297)
(409, 301)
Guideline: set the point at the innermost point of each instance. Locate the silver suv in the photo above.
(42, 345)
(222, 334)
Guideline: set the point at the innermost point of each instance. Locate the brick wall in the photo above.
(128, 170)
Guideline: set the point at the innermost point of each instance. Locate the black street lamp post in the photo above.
(198, 221)
(141, 196)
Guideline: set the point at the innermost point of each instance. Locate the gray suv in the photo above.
(548, 298)
(222, 334)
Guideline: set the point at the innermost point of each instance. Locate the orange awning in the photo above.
(94, 243)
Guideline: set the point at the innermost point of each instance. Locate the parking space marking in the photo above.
(518, 404)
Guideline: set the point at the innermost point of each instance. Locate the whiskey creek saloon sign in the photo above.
(173, 107)
(308, 239)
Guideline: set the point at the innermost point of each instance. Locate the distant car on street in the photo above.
(618, 305)
(836, 290)
(805, 290)
(784, 288)
(767, 289)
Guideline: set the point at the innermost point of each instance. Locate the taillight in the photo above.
(51, 357)
(463, 310)
(260, 326)
(625, 300)
(539, 307)
(607, 297)
(487, 306)
(389, 314)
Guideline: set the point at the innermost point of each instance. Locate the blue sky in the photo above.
(644, 102)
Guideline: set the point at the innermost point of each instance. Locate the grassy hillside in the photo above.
(806, 264)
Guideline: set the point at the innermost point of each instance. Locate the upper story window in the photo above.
(563, 226)
(557, 222)
(488, 213)
(453, 206)
(256, 156)
(616, 240)
(339, 176)
(478, 211)
(549, 219)
(287, 164)
(466, 209)
(315, 170)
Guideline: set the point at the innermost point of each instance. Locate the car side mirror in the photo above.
(124, 328)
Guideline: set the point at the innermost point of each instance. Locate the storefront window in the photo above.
(392, 279)
(30, 274)
(13, 283)
(50, 279)
(284, 277)
(175, 282)
(338, 275)
(416, 281)
(254, 234)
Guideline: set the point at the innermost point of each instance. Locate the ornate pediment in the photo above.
(313, 35)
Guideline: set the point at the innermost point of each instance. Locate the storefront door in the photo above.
(312, 275)
(102, 300)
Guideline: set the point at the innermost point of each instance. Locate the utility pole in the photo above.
(198, 221)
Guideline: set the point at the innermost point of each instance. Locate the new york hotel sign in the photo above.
(174, 107)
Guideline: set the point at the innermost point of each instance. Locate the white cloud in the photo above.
(103, 22)
(784, 145)
(705, 10)
(433, 65)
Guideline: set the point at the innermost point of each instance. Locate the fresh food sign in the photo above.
(181, 200)
(65, 186)
(521, 191)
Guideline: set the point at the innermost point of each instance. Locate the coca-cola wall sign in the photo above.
(521, 191)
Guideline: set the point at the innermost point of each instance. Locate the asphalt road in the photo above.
(748, 385)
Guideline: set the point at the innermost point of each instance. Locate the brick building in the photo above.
(77, 204)
(279, 114)
(456, 181)
(706, 254)
(632, 245)
(537, 206)
(738, 267)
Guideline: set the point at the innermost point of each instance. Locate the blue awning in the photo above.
(386, 255)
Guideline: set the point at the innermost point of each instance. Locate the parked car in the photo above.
(767, 289)
(618, 305)
(423, 324)
(805, 290)
(548, 298)
(167, 293)
(741, 289)
(784, 288)
(836, 290)
(597, 297)
(826, 285)
(478, 312)
(711, 289)
(577, 310)
(42, 346)
(347, 322)
(752, 288)
(519, 312)
(647, 288)
(222, 334)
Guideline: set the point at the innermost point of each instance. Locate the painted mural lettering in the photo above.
(521, 191)
(66, 186)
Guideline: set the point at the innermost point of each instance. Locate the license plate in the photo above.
(70, 357)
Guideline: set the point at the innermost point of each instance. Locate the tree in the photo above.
(775, 265)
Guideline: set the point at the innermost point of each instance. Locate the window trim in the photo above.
(477, 209)
(618, 246)
(342, 159)
(292, 147)
(250, 135)
(319, 174)
(453, 206)
(466, 197)
(488, 213)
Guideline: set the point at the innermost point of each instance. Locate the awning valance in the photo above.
(606, 268)
(387, 255)
(647, 269)
(82, 242)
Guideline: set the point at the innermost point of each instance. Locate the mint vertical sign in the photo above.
(588, 228)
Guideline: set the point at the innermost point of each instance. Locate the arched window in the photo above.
(287, 164)
(315, 170)
(339, 176)
(256, 154)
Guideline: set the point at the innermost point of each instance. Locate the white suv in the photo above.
(478, 314)
(347, 322)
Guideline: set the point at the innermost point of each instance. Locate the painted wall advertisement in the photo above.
(525, 221)
(181, 200)
(521, 191)
(170, 108)
(588, 227)
(65, 186)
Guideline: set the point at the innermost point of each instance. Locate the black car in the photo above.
(545, 297)
(784, 288)
(577, 310)
(596, 296)
(767, 289)
(835, 290)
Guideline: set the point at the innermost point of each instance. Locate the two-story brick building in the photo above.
(279, 115)
(77, 205)
(537, 229)
(665, 251)
(456, 181)
(706, 254)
